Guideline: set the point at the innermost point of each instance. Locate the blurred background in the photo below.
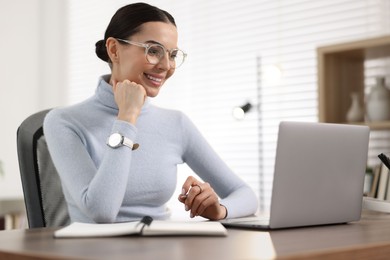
(257, 51)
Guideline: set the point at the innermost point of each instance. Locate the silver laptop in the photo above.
(318, 178)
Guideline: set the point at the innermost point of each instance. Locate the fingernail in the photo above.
(191, 215)
(186, 208)
(183, 191)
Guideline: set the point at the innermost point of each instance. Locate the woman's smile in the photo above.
(155, 80)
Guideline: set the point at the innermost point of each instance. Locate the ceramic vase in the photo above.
(356, 111)
(378, 102)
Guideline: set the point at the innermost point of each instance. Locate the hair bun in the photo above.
(101, 50)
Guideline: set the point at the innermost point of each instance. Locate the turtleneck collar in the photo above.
(105, 95)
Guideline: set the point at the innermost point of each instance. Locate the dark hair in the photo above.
(127, 21)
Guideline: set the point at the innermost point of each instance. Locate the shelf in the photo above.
(385, 125)
(11, 205)
(341, 72)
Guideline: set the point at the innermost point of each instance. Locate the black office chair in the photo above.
(43, 196)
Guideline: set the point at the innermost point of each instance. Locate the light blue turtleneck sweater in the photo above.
(102, 184)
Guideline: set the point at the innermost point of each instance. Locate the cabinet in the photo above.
(12, 213)
(341, 71)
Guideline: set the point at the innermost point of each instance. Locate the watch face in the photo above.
(115, 140)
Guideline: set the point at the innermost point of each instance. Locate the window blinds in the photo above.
(232, 46)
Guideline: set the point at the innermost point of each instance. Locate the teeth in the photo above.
(153, 78)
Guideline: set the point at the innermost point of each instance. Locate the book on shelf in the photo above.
(375, 180)
(383, 181)
(378, 198)
(13, 220)
(387, 197)
(367, 181)
(2, 222)
(145, 227)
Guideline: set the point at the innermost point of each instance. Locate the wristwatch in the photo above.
(116, 140)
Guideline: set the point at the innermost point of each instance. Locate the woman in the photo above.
(119, 181)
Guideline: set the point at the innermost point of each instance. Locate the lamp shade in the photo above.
(239, 112)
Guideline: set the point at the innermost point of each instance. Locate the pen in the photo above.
(385, 160)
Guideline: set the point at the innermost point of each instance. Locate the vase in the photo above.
(378, 102)
(356, 111)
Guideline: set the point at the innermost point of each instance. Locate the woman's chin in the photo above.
(152, 92)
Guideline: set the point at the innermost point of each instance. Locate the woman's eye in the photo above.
(155, 51)
(173, 54)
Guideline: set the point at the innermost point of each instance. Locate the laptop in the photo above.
(318, 177)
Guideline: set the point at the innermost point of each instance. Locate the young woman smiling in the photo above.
(117, 154)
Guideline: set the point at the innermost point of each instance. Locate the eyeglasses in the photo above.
(155, 52)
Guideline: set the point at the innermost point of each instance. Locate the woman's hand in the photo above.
(201, 200)
(130, 97)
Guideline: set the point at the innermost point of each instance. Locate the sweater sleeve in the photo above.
(235, 194)
(97, 189)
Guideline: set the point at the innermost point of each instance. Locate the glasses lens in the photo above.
(155, 53)
(177, 56)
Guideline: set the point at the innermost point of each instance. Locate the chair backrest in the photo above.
(43, 196)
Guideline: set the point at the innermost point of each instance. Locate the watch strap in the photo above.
(129, 143)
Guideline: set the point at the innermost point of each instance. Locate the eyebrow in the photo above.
(151, 41)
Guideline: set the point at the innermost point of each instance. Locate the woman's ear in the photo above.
(112, 49)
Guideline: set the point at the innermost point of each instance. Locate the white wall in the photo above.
(36, 63)
(31, 73)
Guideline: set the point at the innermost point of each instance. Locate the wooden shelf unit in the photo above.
(341, 72)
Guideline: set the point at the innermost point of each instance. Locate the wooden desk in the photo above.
(366, 239)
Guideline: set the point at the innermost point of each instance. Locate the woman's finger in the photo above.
(188, 183)
(190, 196)
(206, 202)
(203, 200)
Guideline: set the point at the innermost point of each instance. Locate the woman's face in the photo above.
(130, 61)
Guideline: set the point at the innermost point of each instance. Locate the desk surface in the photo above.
(365, 239)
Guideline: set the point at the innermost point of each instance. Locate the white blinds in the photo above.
(231, 46)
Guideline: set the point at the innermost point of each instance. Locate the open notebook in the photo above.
(145, 227)
(318, 177)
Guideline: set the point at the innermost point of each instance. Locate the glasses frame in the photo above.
(147, 46)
